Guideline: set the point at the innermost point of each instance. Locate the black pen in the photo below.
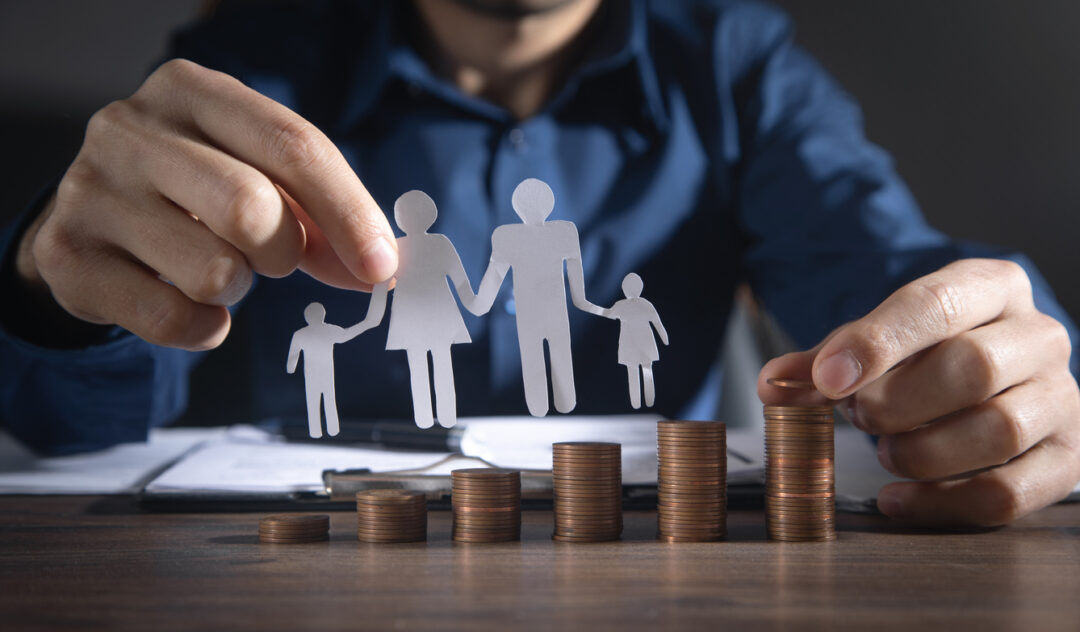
(399, 434)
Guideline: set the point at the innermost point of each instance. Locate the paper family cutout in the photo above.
(425, 319)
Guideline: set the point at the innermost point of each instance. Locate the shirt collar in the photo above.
(387, 56)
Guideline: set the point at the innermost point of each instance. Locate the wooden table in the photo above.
(98, 563)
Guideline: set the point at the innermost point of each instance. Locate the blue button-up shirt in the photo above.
(696, 145)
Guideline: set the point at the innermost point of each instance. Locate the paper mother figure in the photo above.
(424, 317)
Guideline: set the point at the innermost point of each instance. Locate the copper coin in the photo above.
(390, 495)
(296, 520)
(484, 473)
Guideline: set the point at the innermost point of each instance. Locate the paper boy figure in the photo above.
(316, 341)
(637, 347)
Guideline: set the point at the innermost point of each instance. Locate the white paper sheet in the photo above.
(121, 469)
(253, 465)
(523, 442)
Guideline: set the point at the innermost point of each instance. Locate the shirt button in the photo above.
(510, 307)
(517, 138)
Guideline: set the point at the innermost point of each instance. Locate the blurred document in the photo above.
(122, 469)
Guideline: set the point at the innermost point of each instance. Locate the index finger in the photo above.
(961, 296)
(293, 153)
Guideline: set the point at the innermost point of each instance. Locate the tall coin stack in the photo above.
(587, 488)
(294, 528)
(692, 481)
(391, 515)
(486, 504)
(800, 490)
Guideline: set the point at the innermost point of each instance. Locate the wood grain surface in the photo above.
(94, 563)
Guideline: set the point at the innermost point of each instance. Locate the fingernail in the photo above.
(884, 454)
(890, 504)
(380, 261)
(838, 372)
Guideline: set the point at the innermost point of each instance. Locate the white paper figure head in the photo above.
(414, 212)
(632, 285)
(315, 313)
(533, 201)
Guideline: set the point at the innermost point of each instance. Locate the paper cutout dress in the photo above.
(424, 316)
(637, 346)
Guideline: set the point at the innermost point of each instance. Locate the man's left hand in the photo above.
(967, 385)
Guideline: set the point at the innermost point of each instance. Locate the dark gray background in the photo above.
(976, 99)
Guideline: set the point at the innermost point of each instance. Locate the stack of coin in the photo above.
(692, 481)
(391, 515)
(487, 505)
(800, 492)
(294, 528)
(587, 487)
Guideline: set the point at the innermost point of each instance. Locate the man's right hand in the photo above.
(184, 189)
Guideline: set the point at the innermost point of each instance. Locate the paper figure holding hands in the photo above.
(535, 250)
(424, 317)
(637, 347)
(316, 341)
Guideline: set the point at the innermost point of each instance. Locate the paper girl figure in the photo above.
(637, 347)
(424, 317)
(316, 341)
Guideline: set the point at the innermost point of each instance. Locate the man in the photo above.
(690, 142)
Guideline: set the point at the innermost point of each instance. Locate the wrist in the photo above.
(31, 313)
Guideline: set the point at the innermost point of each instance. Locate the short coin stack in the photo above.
(800, 493)
(486, 504)
(587, 488)
(294, 529)
(692, 481)
(391, 515)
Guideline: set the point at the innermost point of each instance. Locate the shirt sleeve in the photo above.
(62, 401)
(831, 229)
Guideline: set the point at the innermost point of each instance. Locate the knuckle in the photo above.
(1003, 500)
(944, 303)
(175, 71)
(54, 250)
(109, 121)
(296, 144)
(1010, 431)
(167, 320)
(223, 277)
(1058, 337)
(982, 366)
(76, 187)
(247, 206)
(876, 340)
(1015, 275)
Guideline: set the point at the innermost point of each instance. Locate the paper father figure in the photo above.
(424, 317)
(535, 250)
(637, 346)
(316, 341)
